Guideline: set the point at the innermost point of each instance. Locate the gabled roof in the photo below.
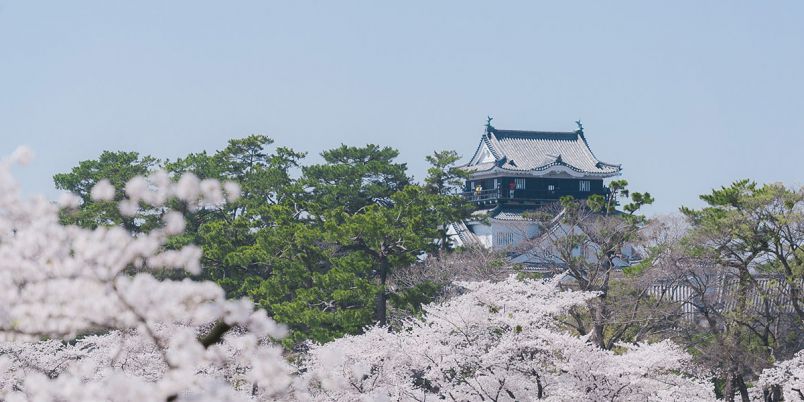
(521, 151)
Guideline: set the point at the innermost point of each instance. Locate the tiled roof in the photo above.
(465, 234)
(540, 150)
(480, 167)
(506, 213)
(502, 213)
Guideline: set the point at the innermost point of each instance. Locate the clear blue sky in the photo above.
(687, 95)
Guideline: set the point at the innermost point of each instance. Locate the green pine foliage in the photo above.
(116, 167)
(312, 245)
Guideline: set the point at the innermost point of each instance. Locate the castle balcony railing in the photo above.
(499, 195)
(482, 195)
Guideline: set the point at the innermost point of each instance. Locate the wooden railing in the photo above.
(497, 194)
(482, 195)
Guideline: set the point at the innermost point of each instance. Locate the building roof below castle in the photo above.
(538, 151)
(503, 213)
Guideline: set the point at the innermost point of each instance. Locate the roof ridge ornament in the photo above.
(580, 127)
(489, 127)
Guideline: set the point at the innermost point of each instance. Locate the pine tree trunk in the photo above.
(380, 308)
(598, 310)
(598, 316)
(735, 381)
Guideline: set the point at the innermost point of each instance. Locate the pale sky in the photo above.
(687, 95)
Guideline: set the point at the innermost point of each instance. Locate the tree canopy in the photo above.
(313, 245)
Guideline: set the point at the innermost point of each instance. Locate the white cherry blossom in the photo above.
(131, 336)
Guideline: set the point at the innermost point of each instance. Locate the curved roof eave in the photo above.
(547, 167)
(566, 165)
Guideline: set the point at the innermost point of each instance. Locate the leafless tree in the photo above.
(610, 254)
(441, 272)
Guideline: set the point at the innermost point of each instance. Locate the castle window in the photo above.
(504, 239)
(585, 185)
(551, 187)
(520, 184)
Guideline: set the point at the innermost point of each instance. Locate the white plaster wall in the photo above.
(483, 233)
(489, 234)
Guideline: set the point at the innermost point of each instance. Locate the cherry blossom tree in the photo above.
(83, 317)
(785, 379)
(499, 342)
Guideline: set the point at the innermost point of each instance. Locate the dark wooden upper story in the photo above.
(527, 190)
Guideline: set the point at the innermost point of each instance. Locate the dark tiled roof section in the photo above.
(466, 235)
(540, 150)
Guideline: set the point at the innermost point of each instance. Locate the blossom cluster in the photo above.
(498, 341)
(787, 376)
(83, 317)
